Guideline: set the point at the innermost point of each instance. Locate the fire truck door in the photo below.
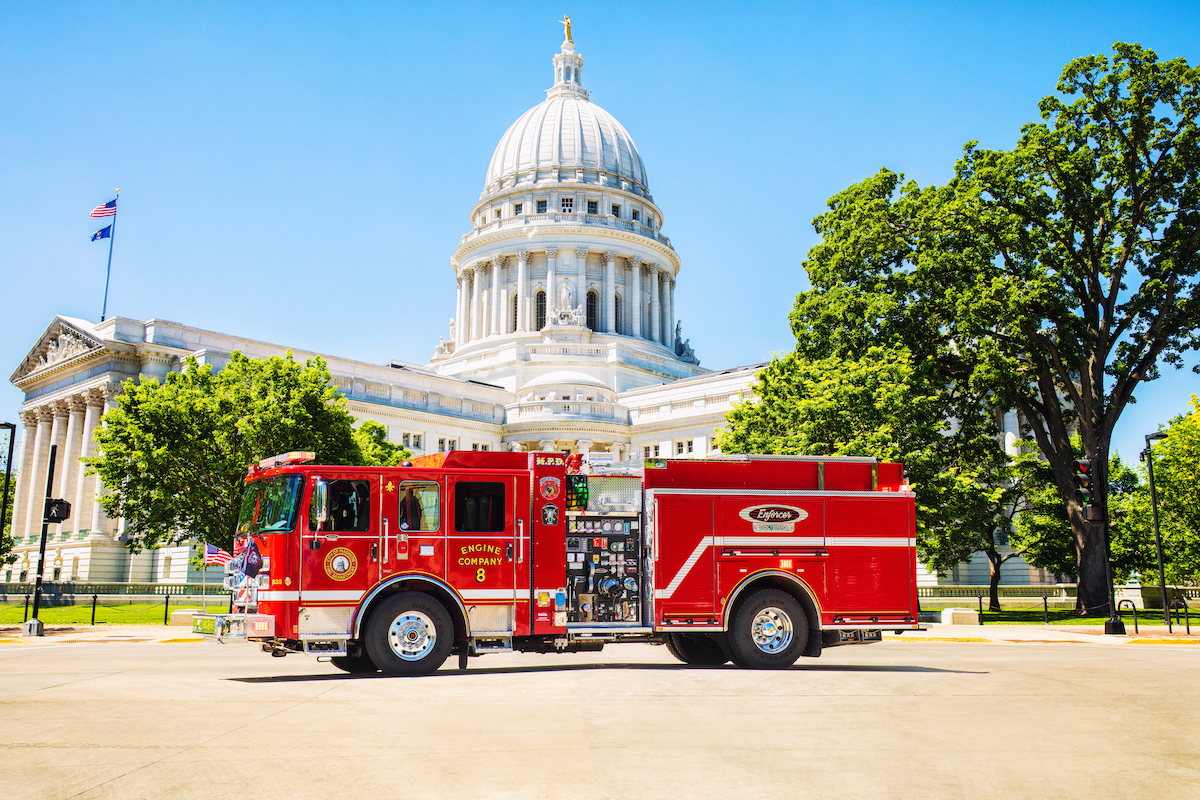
(482, 549)
(339, 556)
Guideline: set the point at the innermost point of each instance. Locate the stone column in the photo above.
(498, 315)
(70, 458)
(20, 489)
(547, 445)
(476, 273)
(583, 446)
(635, 298)
(84, 486)
(669, 293)
(551, 278)
(655, 305)
(106, 394)
(36, 481)
(460, 310)
(58, 436)
(610, 292)
(581, 254)
(522, 290)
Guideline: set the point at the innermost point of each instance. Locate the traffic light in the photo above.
(1083, 481)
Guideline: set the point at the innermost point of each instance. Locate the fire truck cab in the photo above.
(751, 559)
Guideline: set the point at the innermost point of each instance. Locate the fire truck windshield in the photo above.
(270, 505)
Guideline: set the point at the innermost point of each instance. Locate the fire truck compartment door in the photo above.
(482, 549)
(339, 556)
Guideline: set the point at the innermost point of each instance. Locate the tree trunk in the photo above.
(994, 562)
(1093, 598)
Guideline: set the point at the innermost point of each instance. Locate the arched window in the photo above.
(617, 314)
(512, 328)
(539, 310)
(592, 310)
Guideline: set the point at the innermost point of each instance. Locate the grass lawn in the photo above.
(105, 614)
(1031, 616)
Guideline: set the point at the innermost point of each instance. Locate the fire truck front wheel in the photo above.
(769, 631)
(409, 634)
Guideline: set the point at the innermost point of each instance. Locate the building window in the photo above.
(679, 448)
(568, 205)
(649, 220)
(497, 213)
(616, 210)
(57, 573)
(592, 310)
(485, 447)
(690, 444)
(405, 440)
(646, 451)
(416, 441)
(512, 322)
(441, 445)
(593, 206)
(539, 305)
(453, 444)
(517, 208)
(541, 206)
(617, 314)
(636, 214)
(474, 446)
(656, 451)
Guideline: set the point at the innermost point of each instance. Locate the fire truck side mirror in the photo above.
(319, 503)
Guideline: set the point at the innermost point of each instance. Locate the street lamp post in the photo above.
(12, 435)
(1148, 457)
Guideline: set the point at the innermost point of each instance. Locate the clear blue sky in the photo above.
(301, 172)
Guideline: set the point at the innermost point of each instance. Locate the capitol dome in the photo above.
(567, 132)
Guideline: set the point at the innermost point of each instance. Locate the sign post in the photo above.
(55, 511)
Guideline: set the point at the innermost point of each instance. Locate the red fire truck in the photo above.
(751, 559)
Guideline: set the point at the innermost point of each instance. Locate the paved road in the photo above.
(120, 713)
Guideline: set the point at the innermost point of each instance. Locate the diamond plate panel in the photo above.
(611, 494)
(322, 621)
(490, 619)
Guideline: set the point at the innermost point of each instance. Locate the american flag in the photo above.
(109, 209)
(215, 555)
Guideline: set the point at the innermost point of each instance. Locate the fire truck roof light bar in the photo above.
(294, 457)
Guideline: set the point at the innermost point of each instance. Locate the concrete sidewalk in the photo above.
(1035, 634)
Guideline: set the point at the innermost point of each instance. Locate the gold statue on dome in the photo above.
(566, 22)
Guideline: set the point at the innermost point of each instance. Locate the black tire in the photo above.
(695, 649)
(409, 634)
(355, 665)
(769, 631)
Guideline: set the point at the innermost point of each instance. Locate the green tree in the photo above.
(1051, 279)
(884, 405)
(376, 450)
(7, 556)
(175, 454)
(1177, 484)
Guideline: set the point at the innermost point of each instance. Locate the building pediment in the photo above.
(64, 345)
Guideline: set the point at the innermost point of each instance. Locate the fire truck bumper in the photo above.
(227, 628)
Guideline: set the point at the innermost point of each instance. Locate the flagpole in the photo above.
(112, 234)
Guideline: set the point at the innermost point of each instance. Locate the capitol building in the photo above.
(565, 337)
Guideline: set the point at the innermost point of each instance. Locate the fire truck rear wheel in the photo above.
(695, 649)
(409, 634)
(769, 631)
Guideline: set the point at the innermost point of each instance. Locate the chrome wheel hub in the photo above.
(412, 635)
(771, 630)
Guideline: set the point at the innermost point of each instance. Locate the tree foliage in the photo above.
(1051, 279)
(174, 455)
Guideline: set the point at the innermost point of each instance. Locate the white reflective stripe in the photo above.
(332, 594)
(278, 597)
(870, 541)
(771, 541)
(488, 594)
(705, 543)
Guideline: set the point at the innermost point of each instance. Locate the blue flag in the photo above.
(103, 233)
